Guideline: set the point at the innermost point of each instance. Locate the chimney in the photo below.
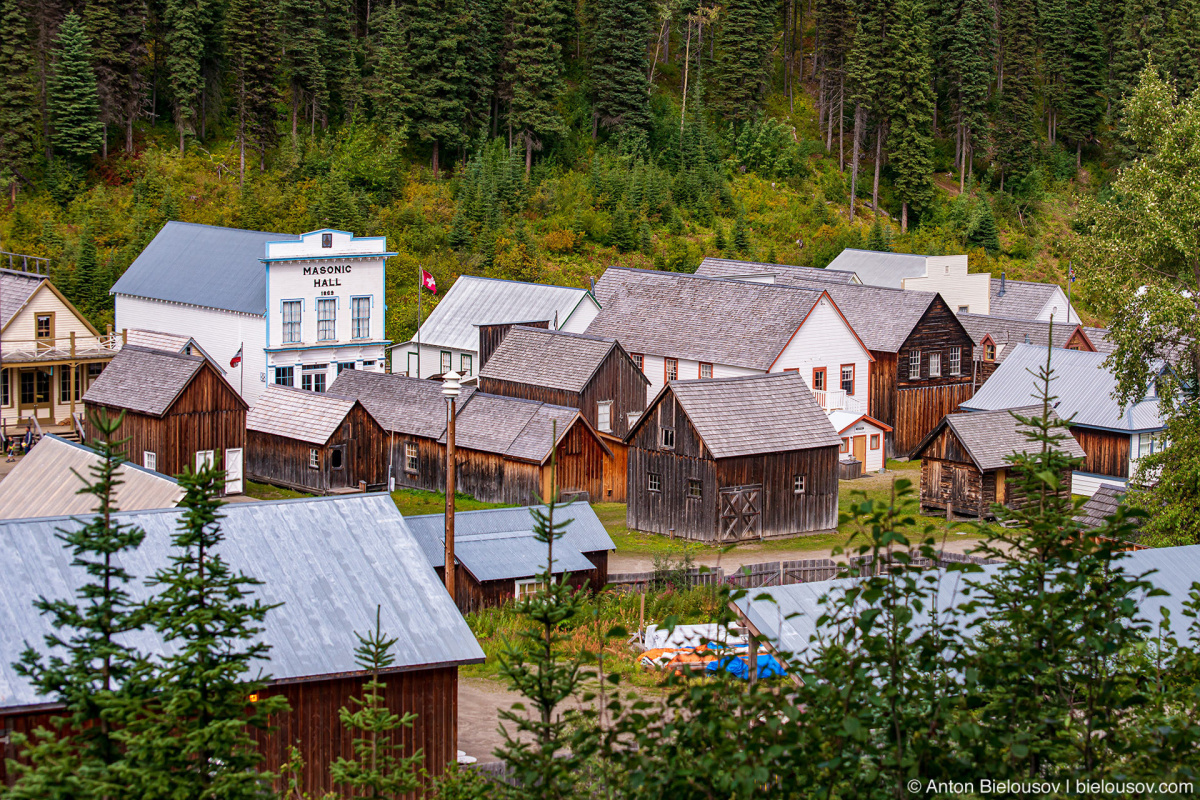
(1002, 285)
(593, 280)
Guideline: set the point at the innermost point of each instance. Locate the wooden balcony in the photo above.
(838, 400)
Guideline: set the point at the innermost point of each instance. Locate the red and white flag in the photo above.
(427, 282)
(237, 358)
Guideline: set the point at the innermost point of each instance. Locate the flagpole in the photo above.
(1070, 281)
(242, 370)
(420, 279)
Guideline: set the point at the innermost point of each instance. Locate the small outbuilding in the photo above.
(499, 557)
(965, 466)
(180, 412)
(314, 442)
(732, 459)
(862, 437)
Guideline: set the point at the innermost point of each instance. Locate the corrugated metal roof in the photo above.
(1021, 299)
(554, 359)
(329, 561)
(46, 483)
(876, 268)
(15, 290)
(787, 615)
(714, 320)
(991, 437)
(1083, 385)
(511, 426)
(298, 414)
(474, 301)
(413, 406)
(1007, 332)
(756, 414)
(144, 381)
(203, 265)
(727, 268)
(585, 533)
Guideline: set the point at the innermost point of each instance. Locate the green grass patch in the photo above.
(418, 501)
(265, 491)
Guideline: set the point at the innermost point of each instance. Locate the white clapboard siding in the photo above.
(825, 340)
(220, 333)
(1086, 483)
(654, 368)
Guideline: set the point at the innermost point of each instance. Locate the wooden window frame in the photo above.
(6, 392)
(314, 458)
(914, 360)
(150, 460)
(799, 484)
(328, 323)
(639, 360)
(297, 305)
(955, 365)
(667, 363)
(853, 378)
(412, 458)
(823, 372)
(874, 441)
(845, 446)
(521, 587)
(607, 406)
(989, 351)
(663, 435)
(654, 482)
(446, 358)
(360, 326)
(208, 456)
(700, 371)
(935, 358)
(695, 489)
(289, 371)
(631, 418)
(466, 363)
(49, 315)
(337, 451)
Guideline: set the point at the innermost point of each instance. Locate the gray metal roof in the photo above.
(1021, 299)
(330, 561)
(298, 414)
(1007, 332)
(728, 268)
(46, 483)
(203, 265)
(1083, 384)
(755, 414)
(144, 381)
(553, 359)
(511, 426)
(1100, 505)
(787, 615)
(15, 290)
(474, 301)
(399, 403)
(720, 321)
(876, 268)
(991, 437)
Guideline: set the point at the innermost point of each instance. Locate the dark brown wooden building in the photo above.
(733, 459)
(995, 337)
(179, 410)
(965, 462)
(327, 566)
(590, 373)
(503, 444)
(498, 559)
(314, 442)
(490, 336)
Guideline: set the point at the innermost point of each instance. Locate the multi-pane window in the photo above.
(671, 369)
(989, 352)
(798, 484)
(964, 309)
(150, 459)
(312, 377)
(5, 390)
(955, 361)
(819, 379)
(285, 376)
(848, 378)
(291, 321)
(360, 317)
(44, 326)
(914, 365)
(411, 461)
(446, 364)
(639, 359)
(326, 319)
(528, 588)
(64, 383)
(465, 364)
(705, 370)
(344, 365)
(695, 489)
(935, 365)
(655, 482)
(314, 458)
(604, 416)
(668, 438)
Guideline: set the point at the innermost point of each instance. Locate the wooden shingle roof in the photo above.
(727, 267)
(15, 290)
(704, 319)
(512, 427)
(554, 359)
(400, 404)
(144, 381)
(1019, 299)
(991, 437)
(755, 414)
(1007, 332)
(1100, 505)
(298, 414)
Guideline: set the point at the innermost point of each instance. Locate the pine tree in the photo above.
(302, 39)
(90, 669)
(1140, 36)
(460, 234)
(911, 99)
(878, 240)
(622, 235)
(983, 229)
(868, 79)
(74, 105)
(195, 739)
(619, 69)
(1053, 19)
(1182, 56)
(339, 53)
(1084, 81)
(1015, 131)
(115, 29)
(742, 68)
(379, 770)
(18, 98)
(535, 72)
(253, 61)
(741, 234)
(338, 207)
(437, 60)
(185, 49)
(88, 288)
(971, 44)
(482, 53)
(719, 236)
(390, 83)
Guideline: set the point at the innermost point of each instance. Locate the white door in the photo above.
(233, 471)
(204, 459)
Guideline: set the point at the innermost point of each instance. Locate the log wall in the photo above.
(282, 461)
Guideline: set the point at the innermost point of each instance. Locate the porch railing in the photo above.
(838, 400)
(58, 347)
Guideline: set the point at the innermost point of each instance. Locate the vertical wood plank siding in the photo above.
(1107, 452)
(284, 462)
(472, 596)
(919, 410)
(491, 336)
(207, 415)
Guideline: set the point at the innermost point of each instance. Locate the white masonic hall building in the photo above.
(300, 309)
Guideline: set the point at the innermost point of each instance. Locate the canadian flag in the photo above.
(237, 358)
(427, 282)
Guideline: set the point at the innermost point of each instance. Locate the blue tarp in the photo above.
(739, 666)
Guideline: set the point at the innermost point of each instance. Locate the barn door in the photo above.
(233, 471)
(741, 513)
(339, 470)
(960, 488)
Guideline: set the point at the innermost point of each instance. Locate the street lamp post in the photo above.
(450, 388)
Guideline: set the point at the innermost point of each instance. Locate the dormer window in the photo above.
(989, 351)
(326, 240)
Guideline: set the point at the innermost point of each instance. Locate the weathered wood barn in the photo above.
(995, 337)
(355, 554)
(1113, 439)
(591, 373)
(499, 559)
(314, 442)
(179, 412)
(965, 462)
(921, 354)
(490, 336)
(502, 444)
(732, 459)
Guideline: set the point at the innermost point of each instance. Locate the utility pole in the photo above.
(450, 388)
